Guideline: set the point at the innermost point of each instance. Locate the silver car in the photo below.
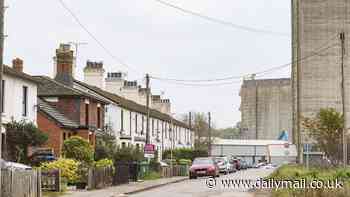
(224, 164)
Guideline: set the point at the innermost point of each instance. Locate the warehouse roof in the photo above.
(236, 142)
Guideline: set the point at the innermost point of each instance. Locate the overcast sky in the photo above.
(156, 39)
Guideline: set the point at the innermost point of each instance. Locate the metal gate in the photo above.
(121, 175)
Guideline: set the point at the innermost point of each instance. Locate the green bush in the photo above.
(104, 163)
(185, 162)
(185, 153)
(298, 172)
(79, 149)
(69, 168)
(128, 154)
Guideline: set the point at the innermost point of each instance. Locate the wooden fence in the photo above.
(99, 178)
(20, 183)
(51, 180)
(178, 170)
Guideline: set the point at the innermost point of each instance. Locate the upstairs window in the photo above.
(98, 117)
(3, 96)
(87, 114)
(143, 124)
(122, 120)
(136, 123)
(25, 101)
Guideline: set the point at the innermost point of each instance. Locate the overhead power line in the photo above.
(264, 72)
(80, 23)
(220, 21)
(204, 85)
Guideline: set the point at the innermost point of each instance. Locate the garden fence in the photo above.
(99, 178)
(20, 183)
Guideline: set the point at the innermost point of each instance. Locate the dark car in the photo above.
(41, 156)
(203, 166)
(237, 163)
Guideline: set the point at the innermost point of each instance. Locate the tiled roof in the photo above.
(10, 71)
(50, 87)
(131, 105)
(56, 115)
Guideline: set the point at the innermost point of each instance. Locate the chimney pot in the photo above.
(17, 64)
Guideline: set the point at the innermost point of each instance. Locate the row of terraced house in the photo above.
(63, 106)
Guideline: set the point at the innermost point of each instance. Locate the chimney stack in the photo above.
(17, 64)
(94, 73)
(64, 64)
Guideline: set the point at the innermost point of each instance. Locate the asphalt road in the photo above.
(198, 187)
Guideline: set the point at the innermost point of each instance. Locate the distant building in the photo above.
(266, 108)
(127, 118)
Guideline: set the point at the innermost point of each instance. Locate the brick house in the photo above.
(64, 111)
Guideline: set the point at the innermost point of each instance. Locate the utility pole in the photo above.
(2, 37)
(209, 125)
(147, 106)
(345, 143)
(189, 136)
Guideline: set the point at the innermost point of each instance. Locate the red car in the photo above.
(204, 166)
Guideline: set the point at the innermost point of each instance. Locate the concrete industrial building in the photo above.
(266, 108)
(316, 53)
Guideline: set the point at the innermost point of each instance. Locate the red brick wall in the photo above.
(55, 133)
(92, 113)
(48, 126)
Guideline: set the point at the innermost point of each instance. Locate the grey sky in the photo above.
(162, 41)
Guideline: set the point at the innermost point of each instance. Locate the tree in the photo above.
(326, 129)
(105, 144)
(79, 149)
(201, 130)
(228, 133)
(20, 136)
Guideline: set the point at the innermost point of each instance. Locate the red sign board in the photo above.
(149, 149)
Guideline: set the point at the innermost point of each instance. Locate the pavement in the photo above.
(126, 189)
(198, 187)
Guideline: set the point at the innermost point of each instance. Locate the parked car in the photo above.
(244, 164)
(233, 165)
(269, 166)
(259, 164)
(42, 155)
(224, 164)
(237, 162)
(13, 165)
(203, 166)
